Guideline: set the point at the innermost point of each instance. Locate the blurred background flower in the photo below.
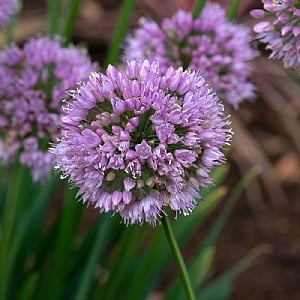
(281, 34)
(36, 78)
(7, 9)
(207, 44)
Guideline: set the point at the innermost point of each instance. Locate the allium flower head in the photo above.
(282, 34)
(7, 9)
(139, 140)
(33, 83)
(210, 44)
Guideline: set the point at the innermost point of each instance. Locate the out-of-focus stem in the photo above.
(199, 4)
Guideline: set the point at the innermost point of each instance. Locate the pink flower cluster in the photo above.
(282, 33)
(33, 83)
(138, 140)
(211, 44)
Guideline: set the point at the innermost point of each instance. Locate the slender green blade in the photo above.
(218, 175)
(120, 273)
(233, 9)
(147, 273)
(29, 228)
(226, 211)
(120, 32)
(198, 274)
(101, 240)
(53, 16)
(72, 10)
(28, 287)
(221, 287)
(7, 228)
(198, 6)
(64, 245)
(199, 269)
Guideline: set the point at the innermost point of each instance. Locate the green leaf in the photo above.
(72, 10)
(32, 204)
(207, 246)
(185, 225)
(101, 239)
(9, 29)
(233, 9)
(7, 229)
(86, 244)
(54, 278)
(53, 16)
(218, 175)
(27, 289)
(201, 265)
(199, 268)
(120, 275)
(222, 218)
(148, 274)
(198, 6)
(120, 32)
(220, 288)
(30, 225)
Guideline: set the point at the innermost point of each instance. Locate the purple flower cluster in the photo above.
(33, 83)
(282, 34)
(7, 9)
(210, 44)
(139, 140)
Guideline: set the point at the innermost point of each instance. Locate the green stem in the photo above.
(118, 258)
(120, 32)
(198, 6)
(7, 229)
(31, 220)
(65, 239)
(53, 16)
(232, 9)
(184, 275)
(9, 30)
(70, 21)
(88, 273)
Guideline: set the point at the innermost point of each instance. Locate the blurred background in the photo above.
(267, 134)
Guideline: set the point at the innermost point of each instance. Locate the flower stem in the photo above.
(53, 15)
(7, 228)
(120, 32)
(10, 29)
(198, 6)
(70, 20)
(65, 238)
(232, 9)
(184, 275)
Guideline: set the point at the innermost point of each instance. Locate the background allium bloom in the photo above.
(136, 141)
(282, 34)
(7, 9)
(210, 44)
(33, 83)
